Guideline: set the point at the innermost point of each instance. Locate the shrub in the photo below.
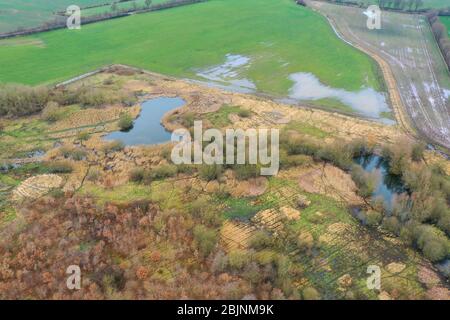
(305, 241)
(260, 240)
(59, 167)
(246, 171)
(432, 242)
(113, 146)
(298, 145)
(310, 293)
(244, 113)
(288, 161)
(93, 174)
(136, 174)
(365, 182)
(238, 258)
(417, 151)
(51, 112)
(125, 122)
(164, 171)
(373, 218)
(205, 239)
(210, 172)
(83, 135)
(73, 153)
(391, 224)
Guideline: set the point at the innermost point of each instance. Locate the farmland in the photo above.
(16, 14)
(446, 22)
(206, 33)
(407, 44)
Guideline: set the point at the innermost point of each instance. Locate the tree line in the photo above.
(441, 34)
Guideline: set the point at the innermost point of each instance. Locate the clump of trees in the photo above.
(441, 34)
(420, 216)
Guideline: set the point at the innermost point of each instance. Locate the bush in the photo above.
(163, 171)
(391, 224)
(295, 145)
(432, 242)
(83, 135)
(289, 161)
(93, 174)
(51, 112)
(310, 293)
(246, 171)
(59, 167)
(244, 113)
(417, 151)
(136, 175)
(365, 182)
(205, 239)
(373, 218)
(125, 122)
(210, 172)
(238, 258)
(260, 240)
(73, 153)
(113, 146)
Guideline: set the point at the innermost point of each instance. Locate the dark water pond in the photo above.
(388, 186)
(147, 128)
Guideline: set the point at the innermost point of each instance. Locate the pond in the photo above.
(147, 128)
(388, 186)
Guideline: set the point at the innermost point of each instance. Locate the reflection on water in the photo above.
(366, 101)
(147, 128)
(388, 186)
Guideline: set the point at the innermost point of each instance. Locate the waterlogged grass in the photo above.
(182, 40)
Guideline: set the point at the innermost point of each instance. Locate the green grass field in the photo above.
(16, 14)
(446, 22)
(180, 40)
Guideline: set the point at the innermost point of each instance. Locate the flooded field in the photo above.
(407, 44)
(306, 87)
(366, 101)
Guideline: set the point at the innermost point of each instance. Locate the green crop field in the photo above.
(16, 14)
(446, 22)
(181, 40)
